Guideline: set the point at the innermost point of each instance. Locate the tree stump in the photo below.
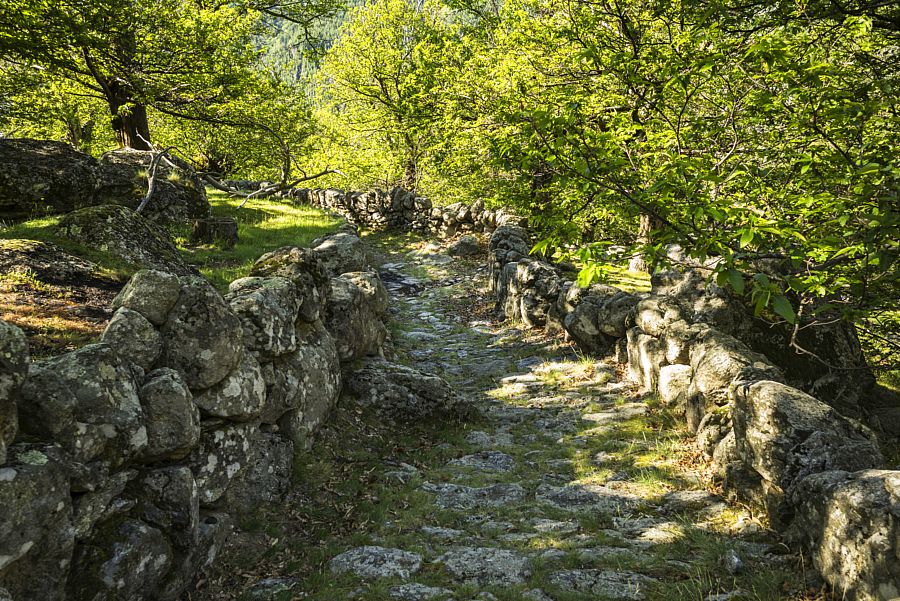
(221, 231)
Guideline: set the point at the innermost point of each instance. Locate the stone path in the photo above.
(572, 486)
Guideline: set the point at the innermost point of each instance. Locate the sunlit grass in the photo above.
(263, 225)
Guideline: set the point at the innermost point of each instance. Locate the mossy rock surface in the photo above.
(125, 234)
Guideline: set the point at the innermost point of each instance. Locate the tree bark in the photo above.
(131, 125)
(639, 261)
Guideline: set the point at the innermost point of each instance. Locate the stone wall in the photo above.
(807, 460)
(123, 464)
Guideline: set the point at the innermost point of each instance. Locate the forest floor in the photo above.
(570, 486)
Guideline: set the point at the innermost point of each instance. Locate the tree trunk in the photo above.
(131, 125)
(135, 130)
(639, 261)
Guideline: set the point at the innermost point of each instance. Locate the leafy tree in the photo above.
(379, 81)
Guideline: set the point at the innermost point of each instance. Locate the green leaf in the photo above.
(746, 237)
(736, 279)
(782, 306)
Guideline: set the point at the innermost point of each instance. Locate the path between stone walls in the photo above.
(569, 486)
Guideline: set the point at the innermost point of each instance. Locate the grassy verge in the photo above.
(263, 226)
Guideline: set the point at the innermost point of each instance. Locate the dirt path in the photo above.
(572, 486)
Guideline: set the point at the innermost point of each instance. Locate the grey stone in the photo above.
(268, 309)
(14, 361)
(133, 337)
(224, 450)
(466, 246)
(265, 479)
(372, 562)
(87, 402)
(403, 393)
(491, 461)
(151, 293)
(42, 176)
(304, 268)
(578, 496)
(674, 384)
(785, 435)
(123, 559)
(465, 497)
(646, 356)
(173, 421)
(850, 522)
(92, 507)
(240, 396)
(484, 439)
(610, 584)
(36, 534)
(717, 360)
(485, 566)
(305, 385)
(213, 532)
(168, 499)
(341, 253)
(413, 591)
(353, 321)
(202, 335)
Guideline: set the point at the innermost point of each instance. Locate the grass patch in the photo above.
(263, 225)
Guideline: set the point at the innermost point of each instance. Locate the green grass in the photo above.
(263, 225)
(43, 229)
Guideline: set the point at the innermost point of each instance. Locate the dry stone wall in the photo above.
(124, 464)
(813, 468)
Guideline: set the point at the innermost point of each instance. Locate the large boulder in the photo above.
(41, 176)
(353, 319)
(13, 368)
(850, 522)
(784, 435)
(268, 309)
(405, 394)
(317, 371)
(341, 253)
(305, 269)
(178, 195)
(36, 533)
(173, 422)
(202, 337)
(125, 234)
(87, 402)
(49, 263)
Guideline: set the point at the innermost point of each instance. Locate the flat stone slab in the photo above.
(583, 496)
(413, 591)
(486, 566)
(484, 439)
(486, 461)
(456, 496)
(372, 562)
(609, 584)
(442, 533)
(618, 414)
